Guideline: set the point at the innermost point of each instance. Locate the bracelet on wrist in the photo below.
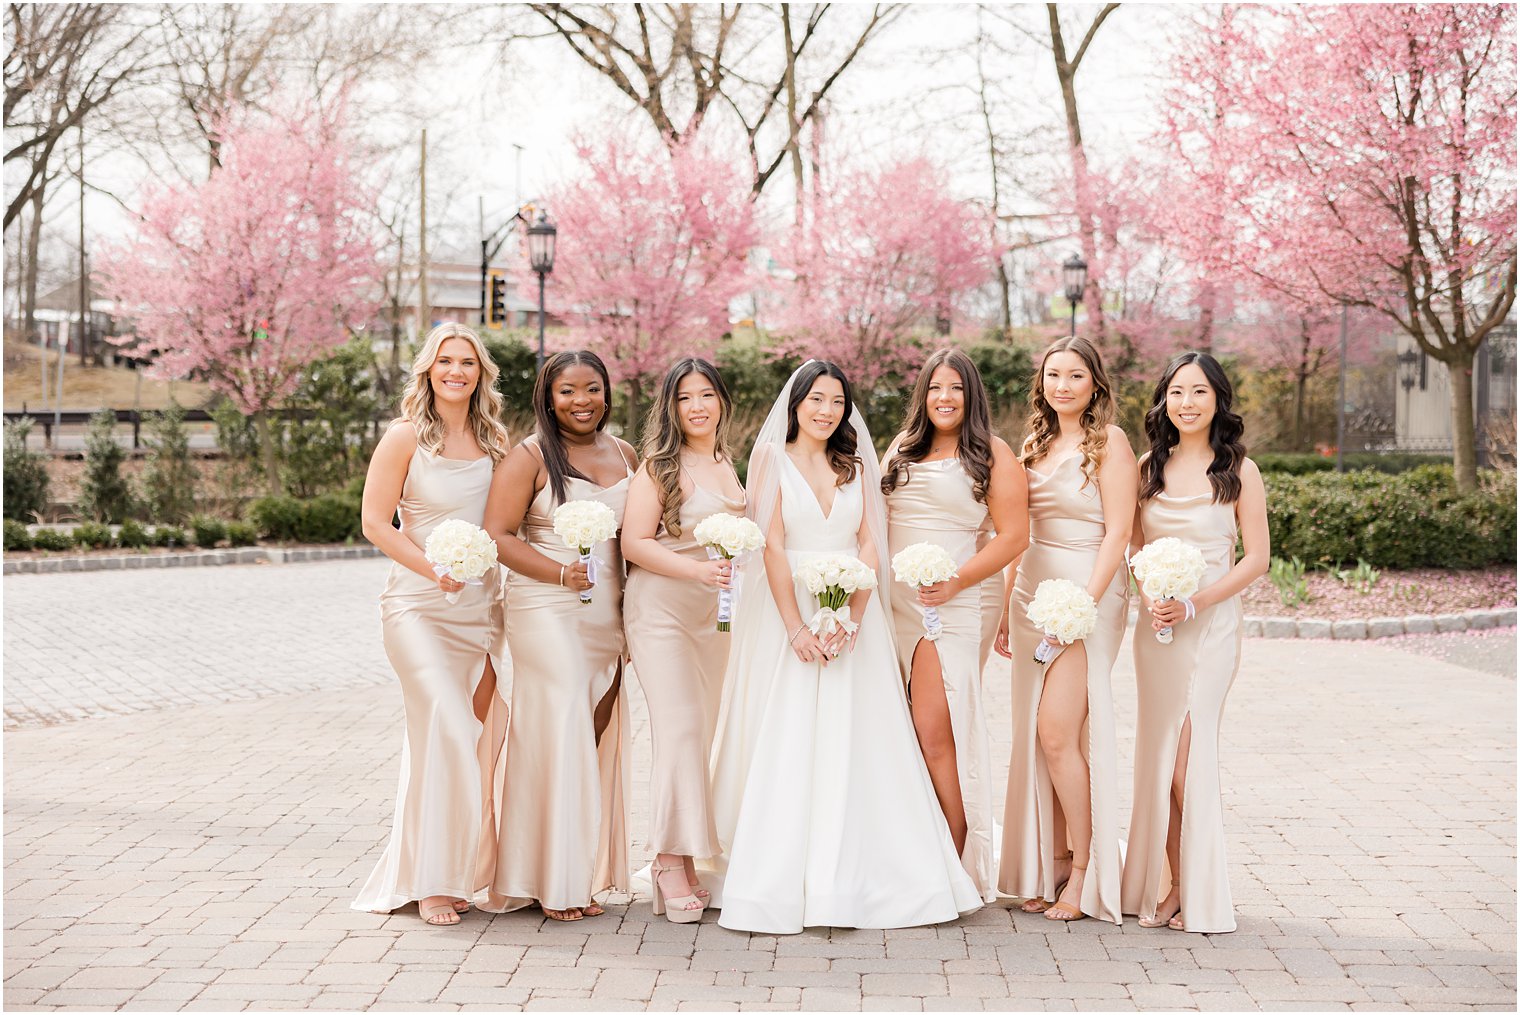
(793, 639)
(562, 576)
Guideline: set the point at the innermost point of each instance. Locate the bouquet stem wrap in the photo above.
(582, 524)
(833, 578)
(1164, 636)
(924, 564)
(933, 627)
(590, 561)
(725, 596)
(728, 537)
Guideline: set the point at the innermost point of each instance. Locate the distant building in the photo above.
(1422, 413)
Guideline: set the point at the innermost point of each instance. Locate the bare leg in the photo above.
(936, 737)
(1170, 909)
(1063, 711)
(601, 718)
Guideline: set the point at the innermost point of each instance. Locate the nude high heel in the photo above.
(685, 909)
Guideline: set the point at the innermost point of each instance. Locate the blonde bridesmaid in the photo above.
(1197, 485)
(563, 833)
(1061, 820)
(671, 618)
(433, 464)
(947, 481)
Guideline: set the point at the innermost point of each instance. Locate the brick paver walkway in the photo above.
(196, 845)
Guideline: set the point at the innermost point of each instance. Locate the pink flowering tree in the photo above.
(653, 246)
(244, 279)
(1367, 158)
(885, 257)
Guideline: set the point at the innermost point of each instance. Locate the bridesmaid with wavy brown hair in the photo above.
(1061, 820)
(436, 463)
(951, 482)
(671, 618)
(1197, 485)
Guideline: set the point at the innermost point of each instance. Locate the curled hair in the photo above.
(842, 442)
(419, 407)
(664, 438)
(1044, 425)
(975, 440)
(551, 443)
(1225, 431)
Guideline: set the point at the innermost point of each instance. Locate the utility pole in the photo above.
(422, 256)
(84, 288)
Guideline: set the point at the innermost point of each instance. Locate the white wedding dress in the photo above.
(824, 807)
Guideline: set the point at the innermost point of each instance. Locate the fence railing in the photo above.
(47, 419)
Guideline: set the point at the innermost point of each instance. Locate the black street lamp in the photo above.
(541, 236)
(1409, 362)
(1074, 275)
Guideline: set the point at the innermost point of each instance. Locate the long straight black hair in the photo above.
(842, 442)
(550, 441)
(1225, 432)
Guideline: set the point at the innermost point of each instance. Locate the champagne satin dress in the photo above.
(936, 504)
(1065, 530)
(443, 839)
(679, 655)
(564, 829)
(1189, 677)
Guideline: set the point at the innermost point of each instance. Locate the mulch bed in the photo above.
(1394, 594)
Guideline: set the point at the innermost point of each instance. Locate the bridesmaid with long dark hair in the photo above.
(563, 835)
(1197, 485)
(671, 617)
(949, 481)
(1061, 818)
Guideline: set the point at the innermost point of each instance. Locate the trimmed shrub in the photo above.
(104, 495)
(330, 518)
(52, 539)
(170, 536)
(276, 517)
(16, 536)
(1415, 519)
(242, 534)
(170, 477)
(1305, 463)
(94, 535)
(208, 531)
(26, 475)
(133, 534)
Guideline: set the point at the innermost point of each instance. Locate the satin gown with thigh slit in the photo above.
(936, 504)
(1185, 680)
(443, 839)
(1065, 530)
(564, 835)
(679, 656)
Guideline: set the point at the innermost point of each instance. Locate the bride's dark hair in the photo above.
(842, 442)
(1225, 431)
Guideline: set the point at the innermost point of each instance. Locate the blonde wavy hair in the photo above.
(1043, 425)
(486, 404)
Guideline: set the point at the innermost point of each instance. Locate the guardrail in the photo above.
(135, 417)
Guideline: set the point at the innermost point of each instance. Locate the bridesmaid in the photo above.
(1061, 821)
(671, 617)
(947, 480)
(563, 834)
(1197, 485)
(433, 464)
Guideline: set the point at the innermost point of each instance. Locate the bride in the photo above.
(822, 802)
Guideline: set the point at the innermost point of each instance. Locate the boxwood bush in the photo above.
(330, 518)
(133, 534)
(52, 539)
(207, 531)
(16, 535)
(94, 535)
(1413, 519)
(1301, 464)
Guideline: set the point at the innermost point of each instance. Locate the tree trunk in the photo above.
(634, 411)
(793, 143)
(1301, 379)
(1464, 442)
(268, 453)
(29, 286)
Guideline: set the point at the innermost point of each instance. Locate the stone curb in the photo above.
(1378, 627)
(198, 558)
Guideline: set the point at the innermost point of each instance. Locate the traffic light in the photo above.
(496, 315)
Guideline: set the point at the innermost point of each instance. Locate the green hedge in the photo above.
(330, 518)
(1300, 464)
(1414, 519)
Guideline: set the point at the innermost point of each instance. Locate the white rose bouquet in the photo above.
(727, 536)
(833, 578)
(925, 564)
(460, 550)
(1169, 569)
(582, 524)
(1064, 611)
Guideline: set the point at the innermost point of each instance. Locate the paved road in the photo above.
(191, 803)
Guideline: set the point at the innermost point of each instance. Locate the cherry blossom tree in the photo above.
(885, 256)
(1367, 155)
(247, 277)
(653, 245)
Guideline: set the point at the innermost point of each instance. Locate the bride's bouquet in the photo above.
(1168, 569)
(727, 536)
(833, 578)
(582, 524)
(1064, 611)
(460, 550)
(925, 564)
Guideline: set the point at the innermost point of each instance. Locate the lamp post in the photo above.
(1409, 368)
(541, 236)
(1074, 275)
